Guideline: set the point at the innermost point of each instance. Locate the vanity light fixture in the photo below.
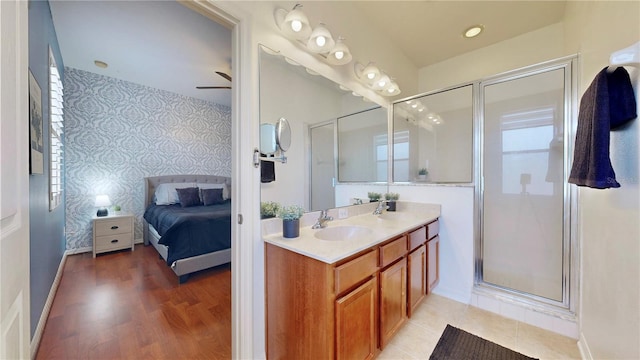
(376, 79)
(340, 53)
(473, 31)
(100, 64)
(295, 25)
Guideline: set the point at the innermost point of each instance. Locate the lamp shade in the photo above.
(320, 41)
(102, 201)
(294, 24)
(340, 54)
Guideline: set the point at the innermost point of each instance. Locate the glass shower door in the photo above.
(323, 167)
(524, 190)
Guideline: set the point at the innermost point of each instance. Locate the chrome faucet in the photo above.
(322, 220)
(382, 206)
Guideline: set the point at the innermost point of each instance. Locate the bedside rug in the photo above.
(456, 344)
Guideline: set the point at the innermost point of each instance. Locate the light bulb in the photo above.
(382, 83)
(296, 25)
(321, 40)
(371, 75)
(339, 55)
(414, 106)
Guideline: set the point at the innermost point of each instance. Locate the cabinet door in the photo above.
(417, 277)
(393, 300)
(433, 263)
(356, 325)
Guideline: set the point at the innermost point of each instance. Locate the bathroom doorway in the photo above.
(525, 248)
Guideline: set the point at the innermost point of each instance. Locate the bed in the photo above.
(191, 238)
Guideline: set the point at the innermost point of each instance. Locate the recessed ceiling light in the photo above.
(100, 64)
(473, 31)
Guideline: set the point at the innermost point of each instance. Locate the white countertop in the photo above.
(383, 227)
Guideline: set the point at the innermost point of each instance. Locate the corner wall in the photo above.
(118, 132)
(609, 227)
(46, 227)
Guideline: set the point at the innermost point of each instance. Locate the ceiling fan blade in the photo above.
(213, 87)
(224, 75)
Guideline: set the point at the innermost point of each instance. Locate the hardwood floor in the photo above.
(129, 305)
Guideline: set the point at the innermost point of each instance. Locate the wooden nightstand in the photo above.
(112, 232)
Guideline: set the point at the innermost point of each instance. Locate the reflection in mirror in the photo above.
(288, 91)
(362, 146)
(433, 137)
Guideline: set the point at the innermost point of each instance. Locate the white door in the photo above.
(14, 181)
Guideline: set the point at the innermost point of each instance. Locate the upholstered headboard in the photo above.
(150, 184)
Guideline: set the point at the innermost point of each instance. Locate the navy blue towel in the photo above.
(608, 103)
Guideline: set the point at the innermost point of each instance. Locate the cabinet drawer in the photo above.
(433, 229)
(417, 238)
(113, 226)
(393, 251)
(356, 270)
(113, 242)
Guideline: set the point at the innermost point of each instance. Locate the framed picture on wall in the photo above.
(36, 158)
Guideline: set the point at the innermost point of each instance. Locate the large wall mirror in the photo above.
(433, 137)
(315, 108)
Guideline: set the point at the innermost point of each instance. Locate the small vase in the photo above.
(291, 228)
(391, 205)
(422, 177)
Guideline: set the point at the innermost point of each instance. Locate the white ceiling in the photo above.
(165, 45)
(160, 44)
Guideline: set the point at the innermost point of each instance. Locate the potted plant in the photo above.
(290, 216)
(422, 174)
(374, 196)
(116, 209)
(269, 209)
(391, 200)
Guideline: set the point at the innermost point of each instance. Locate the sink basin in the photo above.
(345, 232)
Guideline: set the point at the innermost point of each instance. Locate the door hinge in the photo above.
(240, 219)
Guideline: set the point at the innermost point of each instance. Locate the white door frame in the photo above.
(14, 181)
(247, 269)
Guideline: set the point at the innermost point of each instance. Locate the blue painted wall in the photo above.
(47, 243)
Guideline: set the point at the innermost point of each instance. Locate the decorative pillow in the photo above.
(212, 196)
(224, 187)
(189, 196)
(166, 193)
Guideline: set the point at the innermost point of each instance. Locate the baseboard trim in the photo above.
(37, 335)
(585, 353)
(79, 250)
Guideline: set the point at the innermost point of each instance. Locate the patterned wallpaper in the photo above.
(118, 132)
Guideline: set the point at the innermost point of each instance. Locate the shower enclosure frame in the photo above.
(567, 308)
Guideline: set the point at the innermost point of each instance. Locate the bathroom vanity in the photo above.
(346, 297)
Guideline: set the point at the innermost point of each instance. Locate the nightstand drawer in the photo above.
(113, 242)
(113, 226)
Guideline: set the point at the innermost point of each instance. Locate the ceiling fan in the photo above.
(224, 75)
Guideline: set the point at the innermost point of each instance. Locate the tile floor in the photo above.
(419, 336)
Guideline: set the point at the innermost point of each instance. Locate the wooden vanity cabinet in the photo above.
(393, 288)
(356, 322)
(433, 255)
(320, 310)
(416, 269)
(417, 278)
(350, 309)
(433, 261)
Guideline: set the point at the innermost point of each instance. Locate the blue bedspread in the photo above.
(192, 230)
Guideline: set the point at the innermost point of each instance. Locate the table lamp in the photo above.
(102, 201)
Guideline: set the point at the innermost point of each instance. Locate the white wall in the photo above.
(609, 226)
(524, 50)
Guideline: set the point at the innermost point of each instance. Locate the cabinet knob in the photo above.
(114, 227)
(114, 241)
